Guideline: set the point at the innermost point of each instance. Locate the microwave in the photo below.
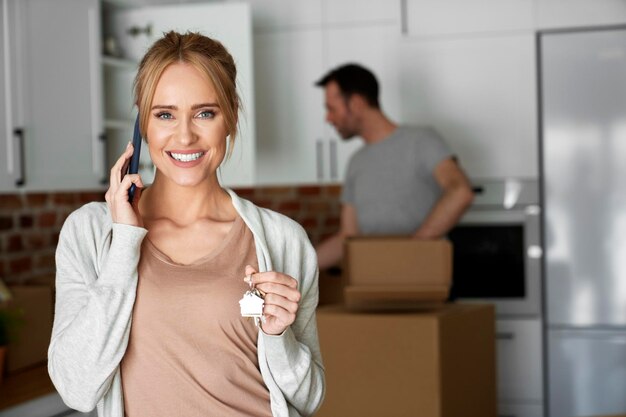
(497, 248)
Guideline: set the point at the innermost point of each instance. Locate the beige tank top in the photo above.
(190, 352)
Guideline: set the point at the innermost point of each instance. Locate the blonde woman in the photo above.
(147, 320)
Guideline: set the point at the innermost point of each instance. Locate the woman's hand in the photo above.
(281, 299)
(117, 194)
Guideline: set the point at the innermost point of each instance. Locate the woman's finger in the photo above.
(275, 277)
(289, 293)
(273, 311)
(116, 170)
(280, 301)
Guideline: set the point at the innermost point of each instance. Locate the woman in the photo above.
(177, 261)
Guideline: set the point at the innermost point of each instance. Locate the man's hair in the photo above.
(353, 79)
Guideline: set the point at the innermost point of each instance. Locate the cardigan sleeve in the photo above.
(294, 357)
(96, 282)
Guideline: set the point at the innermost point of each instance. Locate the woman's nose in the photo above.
(185, 134)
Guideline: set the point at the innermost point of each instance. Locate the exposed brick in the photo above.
(64, 199)
(247, 193)
(10, 202)
(14, 243)
(35, 240)
(20, 265)
(264, 203)
(47, 219)
(89, 197)
(309, 190)
(45, 261)
(332, 222)
(289, 205)
(309, 222)
(2, 268)
(333, 190)
(325, 236)
(54, 239)
(318, 207)
(26, 221)
(271, 192)
(36, 200)
(6, 222)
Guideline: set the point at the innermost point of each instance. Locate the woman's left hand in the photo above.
(281, 299)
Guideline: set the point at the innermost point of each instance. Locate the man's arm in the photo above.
(330, 251)
(456, 198)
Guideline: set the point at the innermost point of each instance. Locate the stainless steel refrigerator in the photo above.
(583, 162)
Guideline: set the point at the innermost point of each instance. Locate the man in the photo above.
(404, 181)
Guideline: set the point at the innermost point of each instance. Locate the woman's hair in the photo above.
(207, 55)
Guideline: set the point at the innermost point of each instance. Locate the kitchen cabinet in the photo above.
(7, 141)
(275, 15)
(553, 14)
(519, 362)
(358, 12)
(479, 93)
(62, 117)
(52, 113)
(428, 18)
(289, 108)
(136, 29)
(296, 146)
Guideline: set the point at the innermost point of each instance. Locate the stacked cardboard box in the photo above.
(396, 272)
(431, 363)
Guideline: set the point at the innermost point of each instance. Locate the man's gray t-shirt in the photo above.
(391, 183)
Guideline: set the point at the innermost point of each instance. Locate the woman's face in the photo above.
(186, 132)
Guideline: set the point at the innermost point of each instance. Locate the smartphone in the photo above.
(133, 167)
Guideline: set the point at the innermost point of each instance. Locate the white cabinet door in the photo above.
(289, 107)
(61, 81)
(480, 95)
(552, 14)
(6, 128)
(230, 23)
(342, 12)
(519, 361)
(436, 17)
(286, 14)
(376, 48)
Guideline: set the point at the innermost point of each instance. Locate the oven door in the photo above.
(497, 259)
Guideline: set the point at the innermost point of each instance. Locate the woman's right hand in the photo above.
(117, 194)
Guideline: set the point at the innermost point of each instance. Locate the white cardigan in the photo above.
(96, 283)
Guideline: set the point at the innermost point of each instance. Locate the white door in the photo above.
(137, 29)
(61, 90)
(289, 108)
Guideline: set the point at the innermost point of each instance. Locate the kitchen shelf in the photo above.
(121, 63)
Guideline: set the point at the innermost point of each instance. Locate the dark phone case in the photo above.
(133, 167)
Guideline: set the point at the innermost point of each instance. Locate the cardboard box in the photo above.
(431, 363)
(33, 338)
(331, 286)
(380, 269)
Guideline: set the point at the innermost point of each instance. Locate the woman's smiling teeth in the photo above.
(186, 157)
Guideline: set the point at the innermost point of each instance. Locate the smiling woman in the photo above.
(147, 317)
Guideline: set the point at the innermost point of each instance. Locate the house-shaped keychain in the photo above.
(251, 304)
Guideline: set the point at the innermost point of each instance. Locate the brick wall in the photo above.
(30, 223)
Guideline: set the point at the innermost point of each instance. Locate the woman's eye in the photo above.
(206, 114)
(164, 115)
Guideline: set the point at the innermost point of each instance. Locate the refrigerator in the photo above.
(582, 95)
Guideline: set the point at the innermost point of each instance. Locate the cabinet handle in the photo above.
(507, 415)
(319, 161)
(19, 135)
(333, 160)
(404, 19)
(105, 158)
(505, 336)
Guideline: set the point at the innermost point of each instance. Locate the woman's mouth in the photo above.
(186, 157)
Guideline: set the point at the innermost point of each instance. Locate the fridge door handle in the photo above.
(505, 335)
(19, 135)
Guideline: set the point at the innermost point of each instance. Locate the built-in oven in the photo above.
(497, 248)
